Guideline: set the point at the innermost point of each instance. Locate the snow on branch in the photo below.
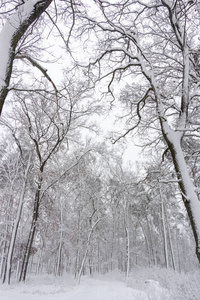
(11, 34)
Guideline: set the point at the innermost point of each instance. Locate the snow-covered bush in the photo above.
(173, 285)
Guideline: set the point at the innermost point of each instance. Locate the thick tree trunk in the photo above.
(189, 196)
(11, 34)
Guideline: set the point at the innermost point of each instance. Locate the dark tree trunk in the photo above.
(31, 233)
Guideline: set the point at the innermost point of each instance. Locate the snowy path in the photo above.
(90, 289)
(102, 290)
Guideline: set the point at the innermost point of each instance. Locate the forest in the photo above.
(99, 137)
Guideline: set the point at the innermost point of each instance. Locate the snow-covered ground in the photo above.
(104, 290)
(89, 289)
(143, 284)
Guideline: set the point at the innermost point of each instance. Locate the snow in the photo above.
(6, 35)
(94, 289)
(89, 289)
(142, 284)
(174, 138)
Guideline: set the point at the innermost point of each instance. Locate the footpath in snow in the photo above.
(102, 290)
(89, 289)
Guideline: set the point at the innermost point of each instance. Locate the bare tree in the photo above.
(46, 130)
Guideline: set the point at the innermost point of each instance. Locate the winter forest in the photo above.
(99, 146)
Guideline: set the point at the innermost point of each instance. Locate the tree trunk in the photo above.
(112, 243)
(147, 244)
(86, 250)
(98, 258)
(171, 245)
(127, 244)
(8, 268)
(17, 270)
(31, 233)
(5, 244)
(77, 259)
(178, 249)
(189, 196)
(3, 260)
(39, 262)
(152, 244)
(12, 32)
(173, 137)
(58, 268)
(164, 230)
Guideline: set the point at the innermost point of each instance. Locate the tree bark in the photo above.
(12, 32)
(189, 196)
(32, 232)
